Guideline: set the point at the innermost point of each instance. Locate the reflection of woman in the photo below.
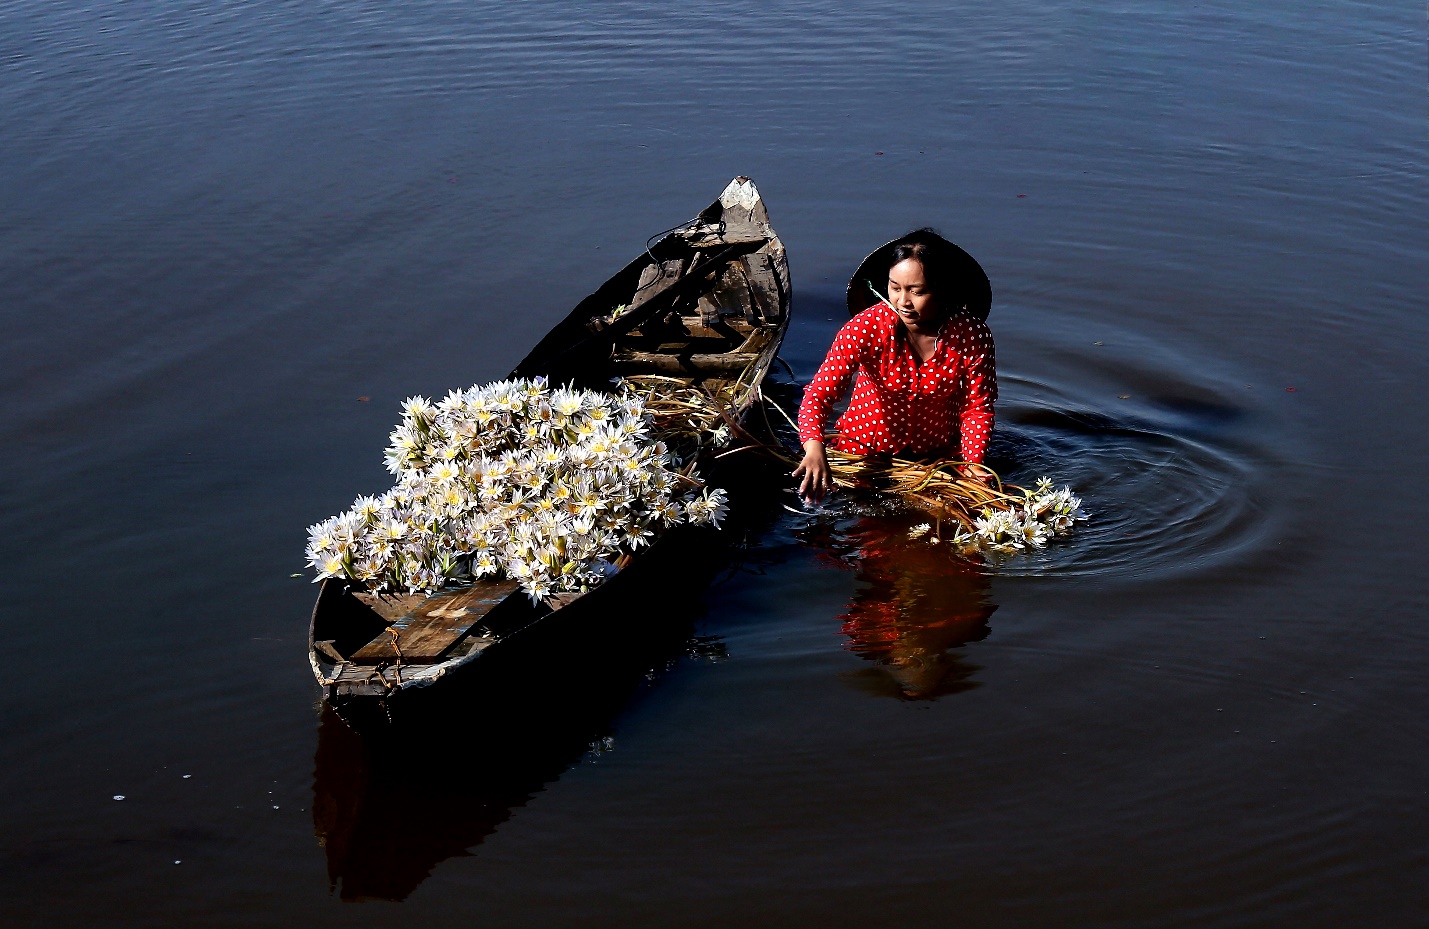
(916, 604)
(922, 368)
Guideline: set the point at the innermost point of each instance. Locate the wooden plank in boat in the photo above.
(683, 365)
(426, 633)
(390, 606)
(729, 296)
(670, 291)
(394, 673)
(764, 287)
(749, 287)
(734, 230)
(657, 279)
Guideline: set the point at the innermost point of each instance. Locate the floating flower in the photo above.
(708, 508)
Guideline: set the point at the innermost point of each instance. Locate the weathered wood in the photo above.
(430, 630)
(740, 219)
(326, 647)
(739, 232)
(657, 279)
(752, 287)
(389, 606)
(729, 296)
(732, 331)
(677, 365)
(757, 341)
(763, 288)
(395, 674)
(679, 359)
(551, 357)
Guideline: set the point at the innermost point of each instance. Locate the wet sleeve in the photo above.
(851, 346)
(979, 391)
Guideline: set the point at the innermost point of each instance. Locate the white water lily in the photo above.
(323, 535)
(332, 565)
(444, 472)
(999, 531)
(567, 402)
(1044, 514)
(367, 507)
(419, 410)
(710, 507)
(635, 536)
(548, 487)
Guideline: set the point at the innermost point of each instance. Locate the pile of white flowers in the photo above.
(1044, 514)
(546, 487)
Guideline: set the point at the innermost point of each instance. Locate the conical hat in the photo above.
(961, 267)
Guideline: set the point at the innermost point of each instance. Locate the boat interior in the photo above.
(704, 303)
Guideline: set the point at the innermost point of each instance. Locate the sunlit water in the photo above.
(225, 223)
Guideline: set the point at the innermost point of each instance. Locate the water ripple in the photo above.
(1161, 498)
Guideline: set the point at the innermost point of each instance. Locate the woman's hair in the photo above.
(938, 259)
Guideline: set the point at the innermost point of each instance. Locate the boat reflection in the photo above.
(392, 800)
(399, 790)
(916, 604)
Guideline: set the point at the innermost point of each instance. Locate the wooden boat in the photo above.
(708, 304)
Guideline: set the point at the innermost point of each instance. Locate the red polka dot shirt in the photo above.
(900, 404)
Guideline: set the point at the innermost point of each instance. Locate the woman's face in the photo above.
(911, 299)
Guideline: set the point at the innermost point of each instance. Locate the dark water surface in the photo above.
(222, 223)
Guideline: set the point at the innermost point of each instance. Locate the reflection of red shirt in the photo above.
(915, 605)
(898, 403)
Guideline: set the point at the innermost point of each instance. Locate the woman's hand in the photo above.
(814, 469)
(977, 472)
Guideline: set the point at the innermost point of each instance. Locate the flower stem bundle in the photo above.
(985, 514)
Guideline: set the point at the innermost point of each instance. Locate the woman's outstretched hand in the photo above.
(814, 469)
(977, 472)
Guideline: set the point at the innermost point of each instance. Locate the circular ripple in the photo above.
(1165, 491)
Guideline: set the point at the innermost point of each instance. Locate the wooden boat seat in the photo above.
(425, 634)
(695, 357)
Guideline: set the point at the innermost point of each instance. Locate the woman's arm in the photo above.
(979, 392)
(851, 346)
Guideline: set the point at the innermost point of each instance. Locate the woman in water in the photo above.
(921, 363)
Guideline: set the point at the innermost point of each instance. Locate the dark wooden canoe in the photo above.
(707, 303)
